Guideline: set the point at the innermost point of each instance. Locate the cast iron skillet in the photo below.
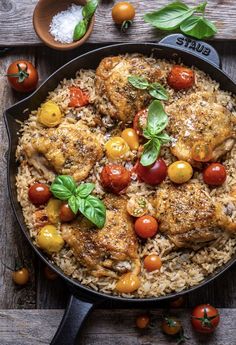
(176, 47)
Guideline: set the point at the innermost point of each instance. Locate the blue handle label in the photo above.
(191, 44)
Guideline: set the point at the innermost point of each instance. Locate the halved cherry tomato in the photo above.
(152, 262)
(205, 318)
(181, 78)
(66, 214)
(39, 193)
(146, 226)
(122, 12)
(77, 97)
(171, 325)
(131, 137)
(152, 174)
(128, 282)
(137, 206)
(21, 276)
(202, 152)
(142, 321)
(22, 76)
(215, 174)
(115, 178)
(140, 121)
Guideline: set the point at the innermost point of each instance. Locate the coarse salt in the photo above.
(63, 24)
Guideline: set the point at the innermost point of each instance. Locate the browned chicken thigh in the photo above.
(110, 250)
(69, 149)
(198, 118)
(116, 97)
(189, 216)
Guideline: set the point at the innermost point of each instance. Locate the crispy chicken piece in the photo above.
(106, 251)
(69, 149)
(189, 216)
(116, 97)
(197, 117)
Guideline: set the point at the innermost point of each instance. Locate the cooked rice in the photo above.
(182, 268)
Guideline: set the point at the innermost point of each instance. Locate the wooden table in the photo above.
(30, 315)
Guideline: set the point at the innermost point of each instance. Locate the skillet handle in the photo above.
(195, 47)
(72, 321)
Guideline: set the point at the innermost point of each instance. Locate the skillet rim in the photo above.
(89, 293)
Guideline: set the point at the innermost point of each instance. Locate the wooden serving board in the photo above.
(16, 22)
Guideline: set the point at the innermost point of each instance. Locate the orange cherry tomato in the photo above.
(128, 282)
(171, 326)
(140, 121)
(77, 97)
(21, 276)
(142, 321)
(181, 78)
(146, 226)
(131, 137)
(66, 214)
(201, 152)
(177, 302)
(215, 174)
(123, 11)
(152, 262)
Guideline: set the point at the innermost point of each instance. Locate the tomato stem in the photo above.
(206, 320)
(125, 25)
(21, 74)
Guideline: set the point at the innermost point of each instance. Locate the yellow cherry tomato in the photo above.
(53, 210)
(49, 239)
(49, 114)
(116, 148)
(131, 137)
(180, 172)
(128, 282)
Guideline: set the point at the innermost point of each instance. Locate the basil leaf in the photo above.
(164, 138)
(157, 91)
(157, 118)
(147, 134)
(80, 30)
(138, 82)
(151, 152)
(198, 27)
(84, 190)
(169, 17)
(90, 8)
(93, 209)
(63, 187)
(74, 203)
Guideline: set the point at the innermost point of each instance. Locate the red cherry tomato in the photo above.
(142, 321)
(66, 214)
(115, 178)
(77, 97)
(146, 226)
(140, 121)
(152, 174)
(215, 174)
(22, 76)
(205, 318)
(39, 193)
(181, 78)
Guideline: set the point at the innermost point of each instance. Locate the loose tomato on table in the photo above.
(49, 273)
(181, 78)
(115, 178)
(152, 174)
(22, 76)
(152, 262)
(202, 152)
(142, 321)
(116, 148)
(205, 318)
(123, 14)
(215, 174)
(131, 137)
(66, 214)
(146, 226)
(78, 98)
(171, 326)
(177, 302)
(140, 121)
(180, 172)
(39, 193)
(21, 276)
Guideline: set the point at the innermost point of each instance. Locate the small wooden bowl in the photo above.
(42, 17)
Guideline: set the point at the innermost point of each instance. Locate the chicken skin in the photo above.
(107, 251)
(116, 96)
(197, 118)
(69, 149)
(189, 216)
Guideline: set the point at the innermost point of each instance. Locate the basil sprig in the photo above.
(80, 199)
(156, 122)
(88, 11)
(156, 90)
(178, 15)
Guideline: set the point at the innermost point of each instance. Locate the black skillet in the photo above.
(191, 52)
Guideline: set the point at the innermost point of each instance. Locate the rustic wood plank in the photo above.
(38, 327)
(17, 29)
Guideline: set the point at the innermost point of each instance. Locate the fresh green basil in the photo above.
(80, 30)
(178, 15)
(157, 121)
(198, 27)
(94, 210)
(89, 9)
(156, 90)
(79, 198)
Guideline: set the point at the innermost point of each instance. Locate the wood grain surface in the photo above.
(17, 28)
(104, 327)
